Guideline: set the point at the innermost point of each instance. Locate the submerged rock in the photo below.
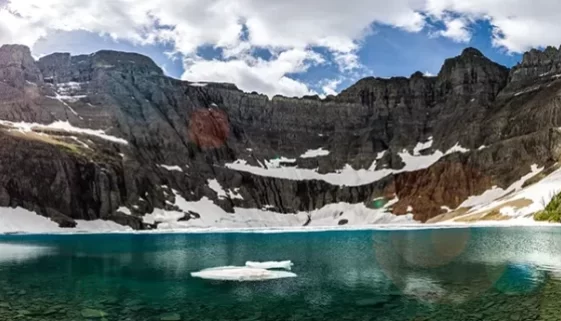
(170, 317)
(373, 302)
(92, 313)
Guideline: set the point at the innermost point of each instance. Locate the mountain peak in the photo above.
(471, 52)
(14, 53)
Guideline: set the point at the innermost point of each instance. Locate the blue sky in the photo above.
(386, 52)
(289, 47)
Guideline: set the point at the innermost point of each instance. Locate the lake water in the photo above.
(442, 274)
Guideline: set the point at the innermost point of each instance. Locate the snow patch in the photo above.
(215, 186)
(171, 168)
(348, 176)
(20, 220)
(212, 216)
(69, 86)
(277, 162)
(356, 215)
(198, 84)
(495, 192)
(422, 146)
(125, 210)
(100, 225)
(63, 126)
(313, 153)
(527, 91)
(235, 194)
(457, 149)
(80, 142)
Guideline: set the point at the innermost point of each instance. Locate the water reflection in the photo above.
(460, 274)
(16, 253)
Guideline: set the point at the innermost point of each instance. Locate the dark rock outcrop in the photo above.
(147, 122)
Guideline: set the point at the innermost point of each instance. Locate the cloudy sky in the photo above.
(289, 47)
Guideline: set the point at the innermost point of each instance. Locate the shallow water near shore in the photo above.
(443, 274)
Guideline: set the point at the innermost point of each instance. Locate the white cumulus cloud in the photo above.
(456, 29)
(288, 28)
(329, 87)
(255, 74)
(518, 25)
(291, 30)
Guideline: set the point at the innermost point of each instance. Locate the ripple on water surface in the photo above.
(459, 274)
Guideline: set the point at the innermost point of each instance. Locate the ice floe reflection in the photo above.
(18, 253)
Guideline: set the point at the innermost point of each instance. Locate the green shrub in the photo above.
(552, 212)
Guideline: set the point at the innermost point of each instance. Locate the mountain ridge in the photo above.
(121, 141)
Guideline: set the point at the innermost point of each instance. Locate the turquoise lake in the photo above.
(441, 274)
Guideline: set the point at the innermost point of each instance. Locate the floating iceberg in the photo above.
(241, 273)
(287, 265)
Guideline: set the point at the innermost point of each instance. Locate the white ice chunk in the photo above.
(287, 265)
(236, 273)
(313, 153)
(125, 210)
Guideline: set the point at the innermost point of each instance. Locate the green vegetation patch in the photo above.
(552, 212)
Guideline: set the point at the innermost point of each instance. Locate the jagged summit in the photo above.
(63, 67)
(471, 51)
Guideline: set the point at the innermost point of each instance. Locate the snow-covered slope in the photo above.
(347, 176)
(513, 205)
(19, 220)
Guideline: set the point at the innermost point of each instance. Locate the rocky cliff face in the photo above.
(109, 136)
